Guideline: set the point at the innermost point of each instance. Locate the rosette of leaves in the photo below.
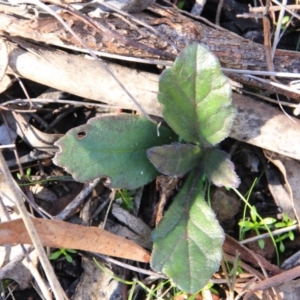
(129, 151)
(196, 100)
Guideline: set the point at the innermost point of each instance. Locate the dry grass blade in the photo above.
(274, 8)
(274, 281)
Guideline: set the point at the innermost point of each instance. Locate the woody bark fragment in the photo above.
(255, 123)
(232, 50)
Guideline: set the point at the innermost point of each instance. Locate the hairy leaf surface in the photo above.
(188, 241)
(219, 168)
(175, 159)
(196, 97)
(112, 146)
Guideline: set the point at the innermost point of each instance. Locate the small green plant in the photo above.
(63, 252)
(284, 223)
(27, 175)
(129, 150)
(256, 224)
(47, 180)
(151, 293)
(5, 284)
(285, 22)
(209, 286)
(254, 215)
(126, 198)
(268, 224)
(180, 4)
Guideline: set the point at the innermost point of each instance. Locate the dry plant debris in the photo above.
(29, 50)
(59, 234)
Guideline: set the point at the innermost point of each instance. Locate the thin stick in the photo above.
(279, 85)
(278, 27)
(41, 100)
(273, 8)
(68, 211)
(13, 193)
(266, 235)
(263, 73)
(287, 9)
(218, 14)
(54, 14)
(129, 267)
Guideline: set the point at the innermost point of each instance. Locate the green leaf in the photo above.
(188, 241)
(246, 224)
(280, 225)
(68, 258)
(71, 251)
(196, 97)
(28, 172)
(175, 159)
(267, 221)
(281, 247)
(126, 198)
(112, 146)
(253, 213)
(261, 244)
(219, 169)
(55, 255)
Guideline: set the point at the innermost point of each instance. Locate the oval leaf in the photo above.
(219, 168)
(112, 146)
(175, 159)
(188, 241)
(196, 97)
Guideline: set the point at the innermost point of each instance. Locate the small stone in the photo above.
(225, 204)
